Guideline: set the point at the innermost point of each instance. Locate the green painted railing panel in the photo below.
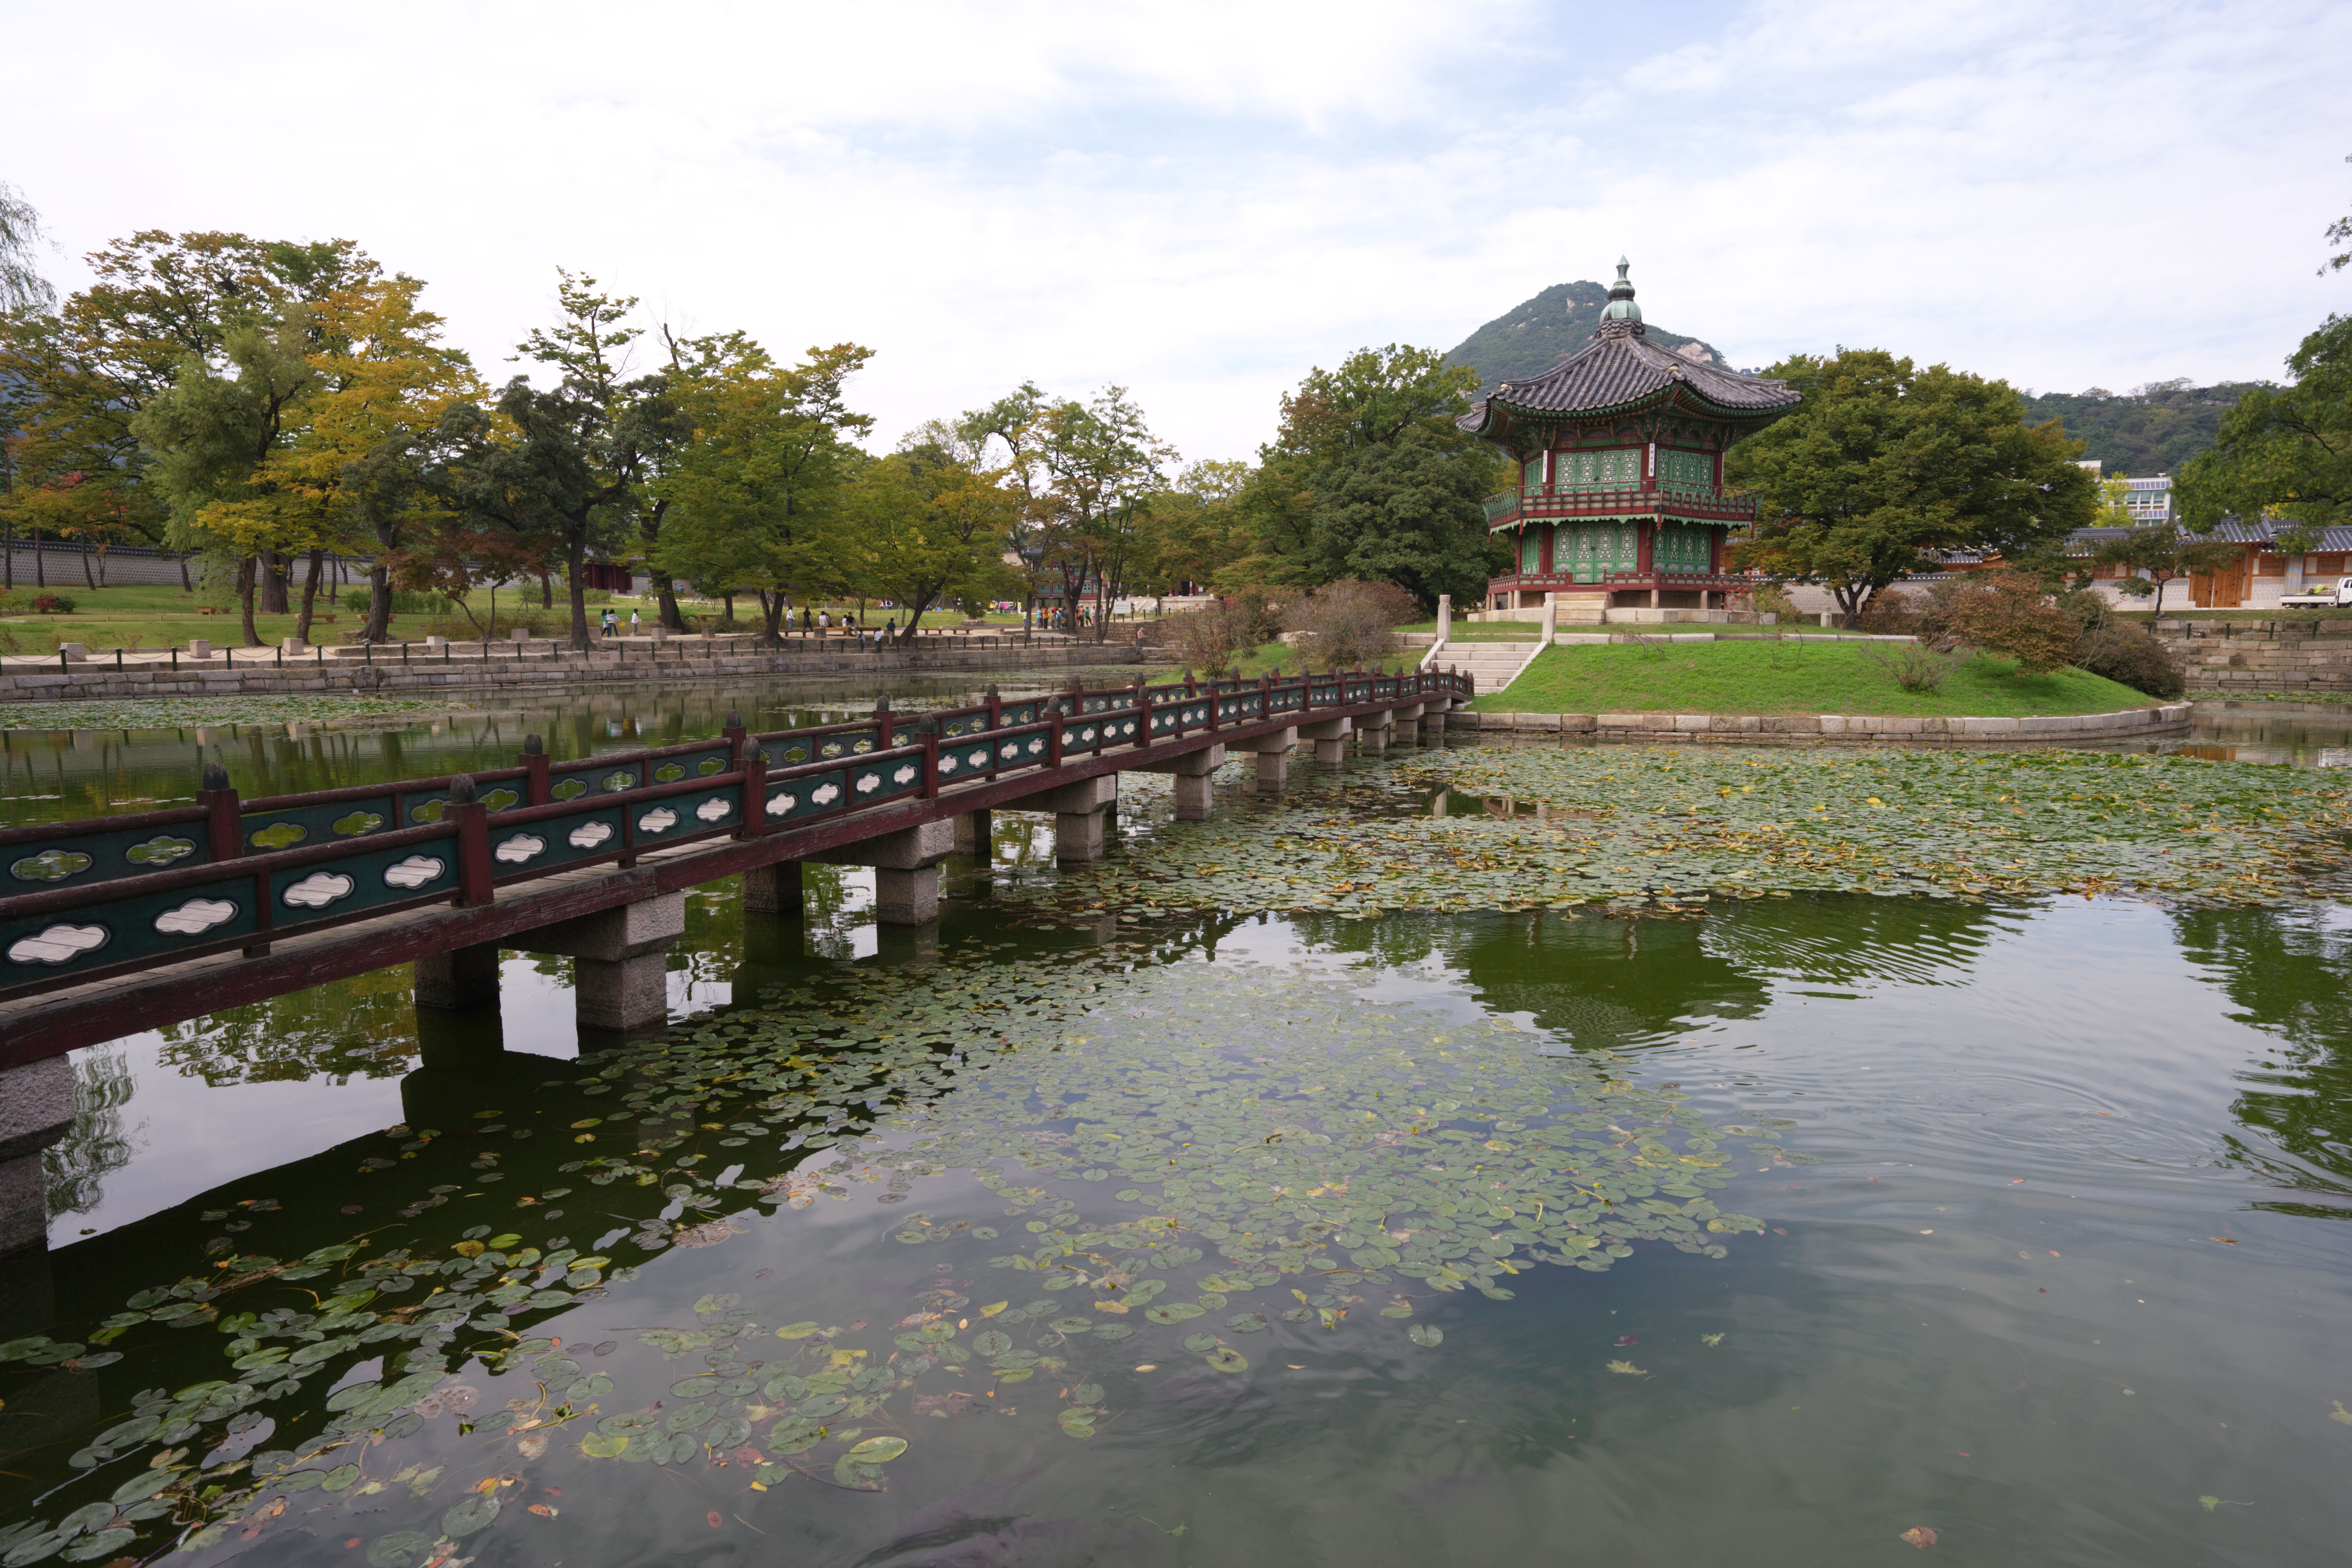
(77, 857)
(292, 827)
(676, 816)
(812, 795)
(552, 841)
(154, 925)
(344, 885)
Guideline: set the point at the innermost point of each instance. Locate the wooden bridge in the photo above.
(133, 922)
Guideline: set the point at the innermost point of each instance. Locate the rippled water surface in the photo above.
(1768, 1234)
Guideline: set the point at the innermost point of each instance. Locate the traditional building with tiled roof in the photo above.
(1620, 446)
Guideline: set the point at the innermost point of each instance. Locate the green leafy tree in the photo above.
(752, 494)
(22, 287)
(2284, 452)
(928, 523)
(1882, 466)
(1107, 474)
(1369, 477)
(559, 473)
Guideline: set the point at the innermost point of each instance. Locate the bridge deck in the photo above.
(278, 930)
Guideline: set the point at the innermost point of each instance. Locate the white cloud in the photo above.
(1200, 203)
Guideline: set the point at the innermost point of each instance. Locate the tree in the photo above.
(1369, 477)
(1016, 422)
(84, 374)
(1882, 466)
(1105, 473)
(2284, 452)
(2161, 554)
(22, 287)
(927, 523)
(2339, 233)
(569, 478)
(752, 492)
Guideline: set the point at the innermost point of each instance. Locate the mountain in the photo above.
(2153, 430)
(1532, 336)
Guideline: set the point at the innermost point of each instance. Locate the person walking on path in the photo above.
(633, 623)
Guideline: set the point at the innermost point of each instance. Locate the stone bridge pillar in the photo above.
(1079, 811)
(1274, 759)
(36, 1110)
(1330, 738)
(1195, 794)
(974, 836)
(1408, 725)
(1372, 734)
(458, 980)
(621, 976)
(773, 889)
(906, 870)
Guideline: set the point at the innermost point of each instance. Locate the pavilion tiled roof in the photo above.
(1621, 369)
(2228, 530)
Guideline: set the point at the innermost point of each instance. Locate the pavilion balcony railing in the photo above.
(1570, 582)
(112, 895)
(1707, 503)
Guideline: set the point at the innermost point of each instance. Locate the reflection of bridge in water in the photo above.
(148, 919)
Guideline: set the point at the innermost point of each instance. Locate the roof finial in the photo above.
(1620, 315)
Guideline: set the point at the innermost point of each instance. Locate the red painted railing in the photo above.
(113, 895)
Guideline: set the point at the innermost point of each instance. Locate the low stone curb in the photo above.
(1798, 727)
(344, 677)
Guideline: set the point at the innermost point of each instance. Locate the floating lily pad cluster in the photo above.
(1666, 829)
(179, 713)
(1202, 1157)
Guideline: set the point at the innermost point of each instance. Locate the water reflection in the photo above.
(2288, 973)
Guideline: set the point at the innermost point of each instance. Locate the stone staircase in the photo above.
(1492, 663)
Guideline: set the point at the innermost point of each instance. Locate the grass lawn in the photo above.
(1788, 678)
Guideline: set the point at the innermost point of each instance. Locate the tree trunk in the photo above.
(2160, 584)
(273, 583)
(546, 590)
(40, 563)
(379, 621)
(665, 594)
(248, 569)
(773, 607)
(309, 593)
(186, 586)
(576, 557)
(88, 581)
(728, 598)
(101, 565)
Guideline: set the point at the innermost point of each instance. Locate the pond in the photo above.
(1161, 1214)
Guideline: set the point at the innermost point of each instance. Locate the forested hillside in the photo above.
(1530, 337)
(2155, 430)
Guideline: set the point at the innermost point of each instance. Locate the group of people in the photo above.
(812, 619)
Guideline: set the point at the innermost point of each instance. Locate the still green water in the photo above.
(2012, 1223)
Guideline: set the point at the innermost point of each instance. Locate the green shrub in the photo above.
(53, 603)
(404, 602)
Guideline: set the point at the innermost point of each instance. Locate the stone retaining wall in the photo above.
(2245, 664)
(344, 677)
(1815, 728)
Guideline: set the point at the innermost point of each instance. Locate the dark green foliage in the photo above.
(2155, 430)
(1884, 464)
(2288, 449)
(1406, 512)
(2124, 651)
(1530, 337)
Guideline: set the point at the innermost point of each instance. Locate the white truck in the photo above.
(2334, 596)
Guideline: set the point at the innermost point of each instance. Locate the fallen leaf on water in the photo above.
(543, 1510)
(2339, 1413)
(2227, 1241)
(1920, 1536)
(2210, 1502)
(1628, 1368)
(1629, 1339)
(1710, 1341)
(711, 1519)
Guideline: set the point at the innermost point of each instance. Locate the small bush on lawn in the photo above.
(1208, 640)
(1349, 622)
(1772, 599)
(53, 603)
(2004, 612)
(2125, 652)
(1892, 612)
(1914, 667)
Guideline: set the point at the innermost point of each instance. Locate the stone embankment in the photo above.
(462, 668)
(2266, 662)
(1803, 729)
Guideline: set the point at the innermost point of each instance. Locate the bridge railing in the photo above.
(116, 894)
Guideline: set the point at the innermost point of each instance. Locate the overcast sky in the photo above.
(1201, 200)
